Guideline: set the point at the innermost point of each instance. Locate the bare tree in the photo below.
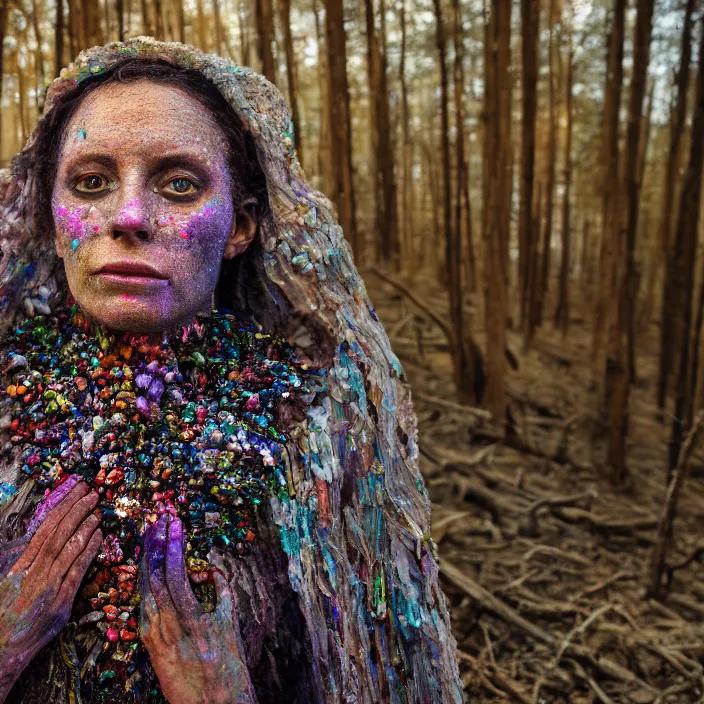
(495, 214)
(562, 312)
(340, 122)
(530, 23)
(265, 37)
(291, 75)
(678, 115)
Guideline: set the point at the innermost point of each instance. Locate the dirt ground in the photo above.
(544, 562)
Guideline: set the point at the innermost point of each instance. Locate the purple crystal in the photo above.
(142, 404)
(156, 388)
(143, 380)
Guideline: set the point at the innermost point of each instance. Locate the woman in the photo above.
(160, 244)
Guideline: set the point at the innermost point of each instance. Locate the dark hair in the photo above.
(241, 286)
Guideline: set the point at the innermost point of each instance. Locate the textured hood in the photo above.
(356, 530)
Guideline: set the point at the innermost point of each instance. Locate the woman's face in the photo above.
(143, 183)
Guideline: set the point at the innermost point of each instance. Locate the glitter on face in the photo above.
(81, 134)
(138, 216)
(74, 245)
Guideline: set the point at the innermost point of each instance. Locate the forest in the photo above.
(520, 182)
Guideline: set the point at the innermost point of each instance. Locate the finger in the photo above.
(52, 500)
(187, 606)
(69, 524)
(155, 555)
(73, 548)
(224, 609)
(148, 611)
(49, 521)
(78, 570)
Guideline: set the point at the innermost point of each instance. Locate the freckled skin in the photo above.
(131, 209)
(197, 656)
(116, 139)
(47, 566)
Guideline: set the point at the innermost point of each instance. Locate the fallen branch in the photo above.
(500, 680)
(487, 600)
(658, 555)
(452, 406)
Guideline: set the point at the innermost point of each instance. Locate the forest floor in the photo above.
(543, 560)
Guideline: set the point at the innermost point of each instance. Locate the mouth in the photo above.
(131, 274)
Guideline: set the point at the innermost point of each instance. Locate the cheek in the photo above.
(76, 224)
(206, 228)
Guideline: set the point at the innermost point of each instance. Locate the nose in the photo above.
(132, 221)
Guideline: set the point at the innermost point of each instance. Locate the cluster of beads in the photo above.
(186, 427)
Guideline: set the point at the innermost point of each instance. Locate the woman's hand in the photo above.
(48, 564)
(196, 655)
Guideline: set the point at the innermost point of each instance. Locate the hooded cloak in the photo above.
(340, 599)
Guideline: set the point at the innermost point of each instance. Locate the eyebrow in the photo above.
(162, 163)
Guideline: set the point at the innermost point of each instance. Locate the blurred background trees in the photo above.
(540, 159)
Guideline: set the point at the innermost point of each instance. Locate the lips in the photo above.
(130, 269)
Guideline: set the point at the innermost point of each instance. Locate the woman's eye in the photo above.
(182, 186)
(91, 183)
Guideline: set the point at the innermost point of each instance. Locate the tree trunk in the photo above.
(562, 312)
(464, 354)
(407, 235)
(180, 20)
(200, 27)
(463, 220)
(685, 247)
(386, 154)
(610, 184)
(340, 123)
(3, 33)
(444, 137)
(544, 277)
(373, 79)
(679, 113)
(530, 33)
(120, 11)
(243, 16)
(616, 372)
(147, 26)
(217, 21)
(325, 167)
(265, 38)
(39, 60)
(495, 216)
(291, 75)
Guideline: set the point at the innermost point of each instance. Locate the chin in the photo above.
(131, 313)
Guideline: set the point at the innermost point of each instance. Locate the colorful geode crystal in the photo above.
(188, 427)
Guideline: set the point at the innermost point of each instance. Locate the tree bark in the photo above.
(544, 276)
(610, 184)
(202, 29)
(325, 167)
(495, 216)
(3, 32)
(217, 21)
(147, 26)
(265, 38)
(677, 124)
(530, 33)
(291, 75)
(407, 236)
(340, 123)
(685, 248)
(562, 312)
(616, 372)
(463, 202)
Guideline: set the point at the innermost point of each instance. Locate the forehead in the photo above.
(140, 118)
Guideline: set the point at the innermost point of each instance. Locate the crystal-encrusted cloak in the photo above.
(339, 600)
